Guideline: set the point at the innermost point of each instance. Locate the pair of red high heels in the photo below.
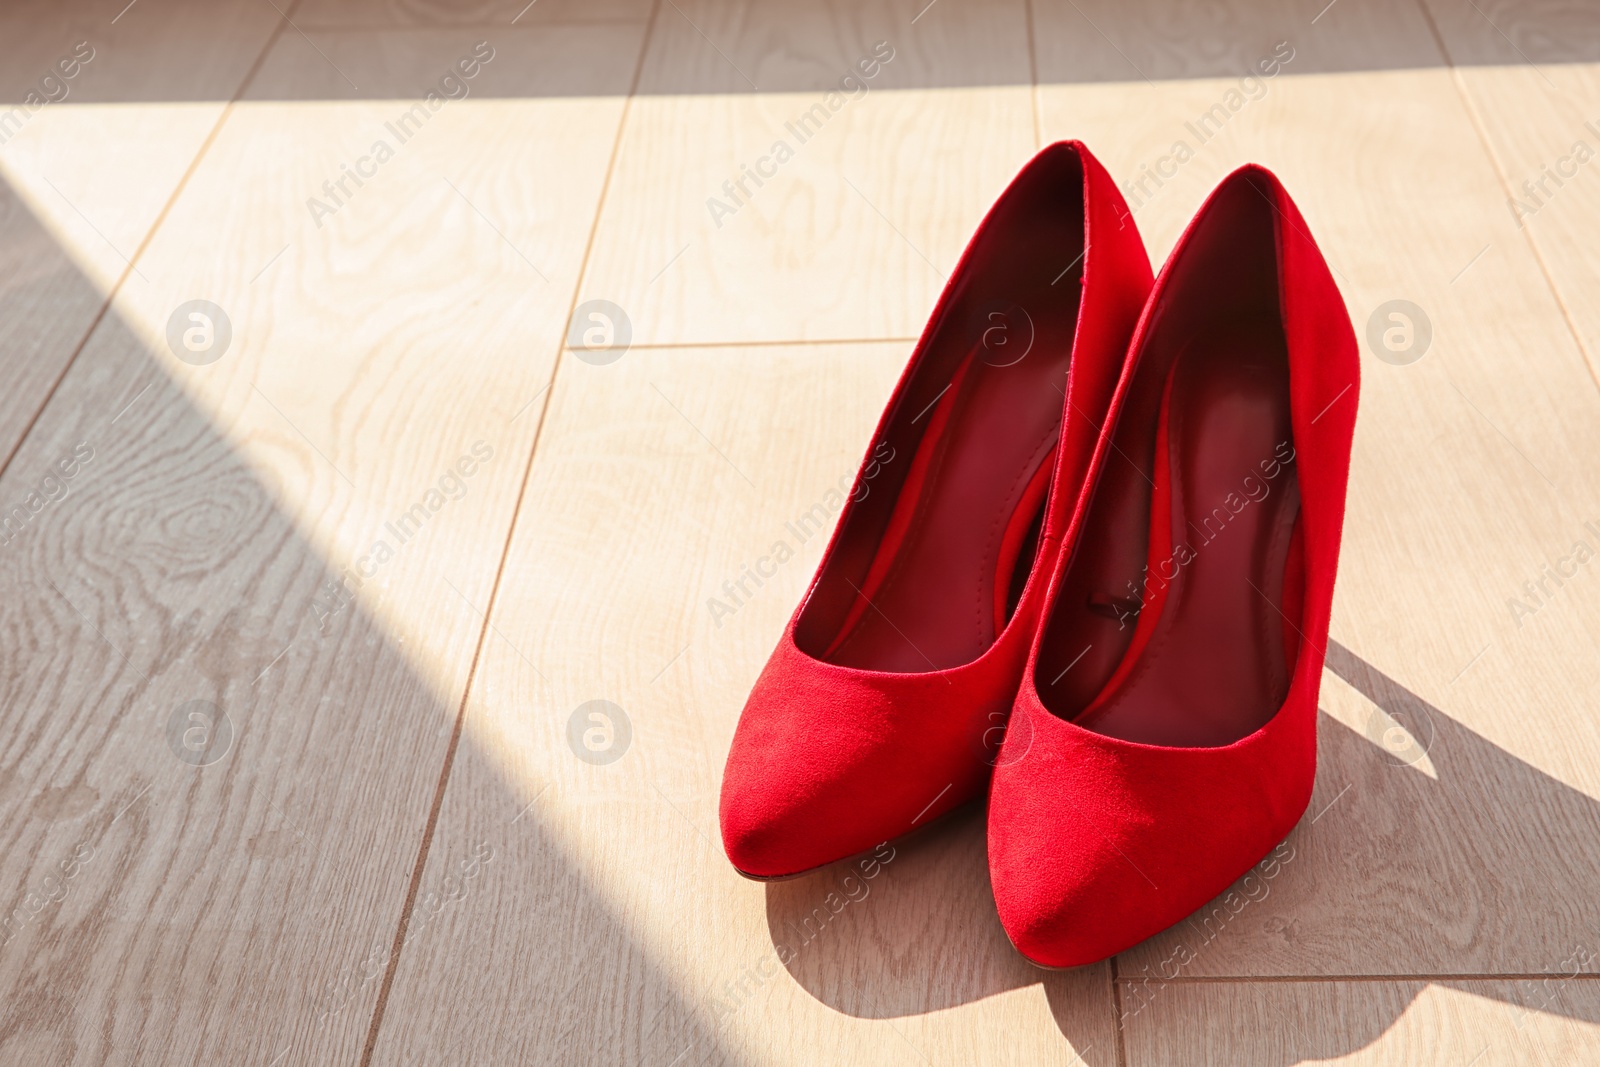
(1093, 576)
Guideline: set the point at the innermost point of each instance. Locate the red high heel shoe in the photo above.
(1164, 735)
(880, 709)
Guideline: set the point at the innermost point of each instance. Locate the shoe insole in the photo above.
(1208, 661)
(936, 593)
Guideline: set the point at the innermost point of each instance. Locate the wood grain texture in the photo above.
(525, 64)
(1482, 1023)
(1532, 75)
(1466, 481)
(241, 911)
(851, 235)
(84, 176)
(1440, 890)
(487, 14)
(608, 895)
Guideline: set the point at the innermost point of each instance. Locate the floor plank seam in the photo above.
(681, 961)
(1247, 979)
(667, 346)
(418, 868)
(1117, 1014)
(144, 243)
(1465, 95)
(437, 27)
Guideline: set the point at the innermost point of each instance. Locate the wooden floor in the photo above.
(300, 631)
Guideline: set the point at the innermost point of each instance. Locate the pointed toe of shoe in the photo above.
(1045, 919)
(880, 708)
(829, 762)
(766, 837)
(1185, 749)
(776, 807)
(1096, 844)
(1063, 887)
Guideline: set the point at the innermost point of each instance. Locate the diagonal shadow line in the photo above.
(1124, 43)
(1388, 694)
(1341, 675)
(286, 747)
(165, 431)
(155, 225)
(547, 391)
(1524, 819)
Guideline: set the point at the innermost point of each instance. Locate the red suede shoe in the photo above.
(881, 708)
(1164, 735)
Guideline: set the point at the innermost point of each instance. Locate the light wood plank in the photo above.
(1479, 1023)
(1469, 474)
(852, 235)
(83, 177)
(246, 910)
(609, 898)
(519, 63)
(1532, 74)
(488, 14)
(239, 911)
